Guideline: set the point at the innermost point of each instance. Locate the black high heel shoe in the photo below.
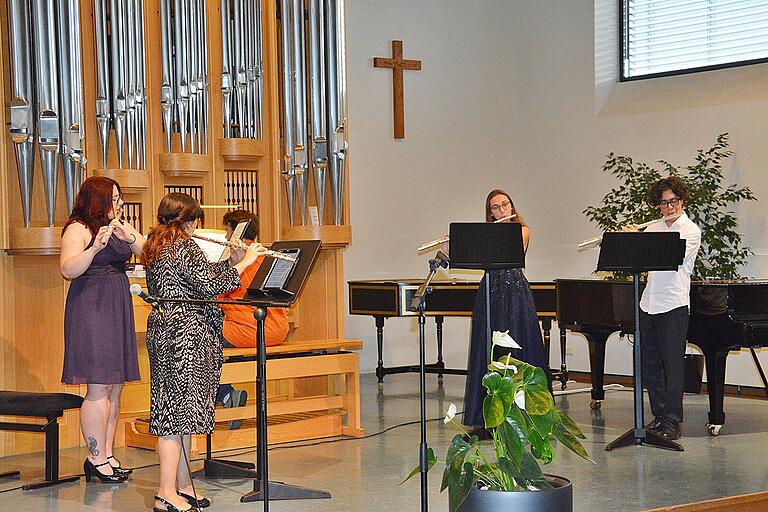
(91, 471)
(169, 507)
(119, 469)
(196, 503)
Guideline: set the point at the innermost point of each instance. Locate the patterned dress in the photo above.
(184, 340)
(99, 334)
(512, 309)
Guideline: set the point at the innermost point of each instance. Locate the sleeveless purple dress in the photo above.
(99, 333)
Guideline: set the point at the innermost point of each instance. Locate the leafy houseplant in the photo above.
(519, 412)
(721, 254)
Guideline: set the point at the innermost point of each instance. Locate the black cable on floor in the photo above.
(281, 446)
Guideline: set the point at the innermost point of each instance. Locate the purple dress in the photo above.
(99, 334)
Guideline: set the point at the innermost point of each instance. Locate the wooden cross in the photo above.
(398, 65)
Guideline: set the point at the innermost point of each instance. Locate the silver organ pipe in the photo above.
(184, 87)
(47, 97)
(335, 34)
(241, 68)
(23, 111)
(102, 78)
(300, 106)
(44, 23)
(327, 103)
(121, 78)
(318, 113)
(289, 171)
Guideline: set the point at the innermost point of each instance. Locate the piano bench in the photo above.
(51, 407)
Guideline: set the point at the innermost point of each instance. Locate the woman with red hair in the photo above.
(99, 334)
(184, 342)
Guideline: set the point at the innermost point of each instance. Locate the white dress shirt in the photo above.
(670, 289)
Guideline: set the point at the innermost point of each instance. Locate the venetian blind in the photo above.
(673, 36)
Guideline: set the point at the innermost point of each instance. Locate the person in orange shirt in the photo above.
(239, 328)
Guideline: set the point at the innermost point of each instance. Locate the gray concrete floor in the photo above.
(364, 474)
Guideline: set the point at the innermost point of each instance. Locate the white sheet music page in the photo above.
(213, 252)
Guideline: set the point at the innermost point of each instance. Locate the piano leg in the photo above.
(759, 369)
(546, 327)
(716, 388)
(380, 370)
(563, 363)
(597, 341)
(560, 375)
(440, 364)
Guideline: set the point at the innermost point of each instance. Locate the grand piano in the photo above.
(725, 315)
(383, 299)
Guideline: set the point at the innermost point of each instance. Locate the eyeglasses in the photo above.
(501, 206)
(672, 202)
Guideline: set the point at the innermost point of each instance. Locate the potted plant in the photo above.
(520, 415)
(709, 203)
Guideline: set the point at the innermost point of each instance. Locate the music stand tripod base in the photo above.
(641, 437)
(281, 491)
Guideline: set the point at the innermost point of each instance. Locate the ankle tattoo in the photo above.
(92, 447)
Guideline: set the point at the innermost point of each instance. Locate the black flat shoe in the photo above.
(670, 430)
(655, 426)
(119, 469)
(196, 503)
(169, 507)
(92, 471)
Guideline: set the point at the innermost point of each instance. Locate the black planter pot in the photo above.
(557, 499)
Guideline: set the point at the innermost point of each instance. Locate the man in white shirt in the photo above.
(664, 312)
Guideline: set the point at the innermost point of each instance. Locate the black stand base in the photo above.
(641, 436)
(220, 468)
(281, 491)
(47, 483)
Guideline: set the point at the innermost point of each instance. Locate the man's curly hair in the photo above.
(673, 183)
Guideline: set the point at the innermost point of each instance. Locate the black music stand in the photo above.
(262, 297)
(487, 246)
(637, 253)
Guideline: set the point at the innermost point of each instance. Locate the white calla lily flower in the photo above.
(498, 365)
(520, 399)
(450, 413)
(503, 339)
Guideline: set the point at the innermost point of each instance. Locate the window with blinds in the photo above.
(670, 37)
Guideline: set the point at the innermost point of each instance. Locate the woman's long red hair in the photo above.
(93, 203)
(174, 210)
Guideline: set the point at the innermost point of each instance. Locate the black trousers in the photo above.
(662, 343)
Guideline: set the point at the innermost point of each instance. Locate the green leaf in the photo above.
(543, 423)
(566, 422)
(513, 435)
(431, 461)
(459, 489)
(538, 399)
(570, 441)
(455, 460)
(499, 398)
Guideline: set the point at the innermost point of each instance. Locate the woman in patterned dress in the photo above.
(99, 334)
(512, 309)
(184, 342)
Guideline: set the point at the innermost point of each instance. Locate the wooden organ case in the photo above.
(253, 163)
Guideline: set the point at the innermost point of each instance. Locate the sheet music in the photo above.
(213, 252)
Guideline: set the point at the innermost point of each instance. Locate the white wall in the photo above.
(523, 96)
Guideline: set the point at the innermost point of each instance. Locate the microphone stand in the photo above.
(418, 303)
